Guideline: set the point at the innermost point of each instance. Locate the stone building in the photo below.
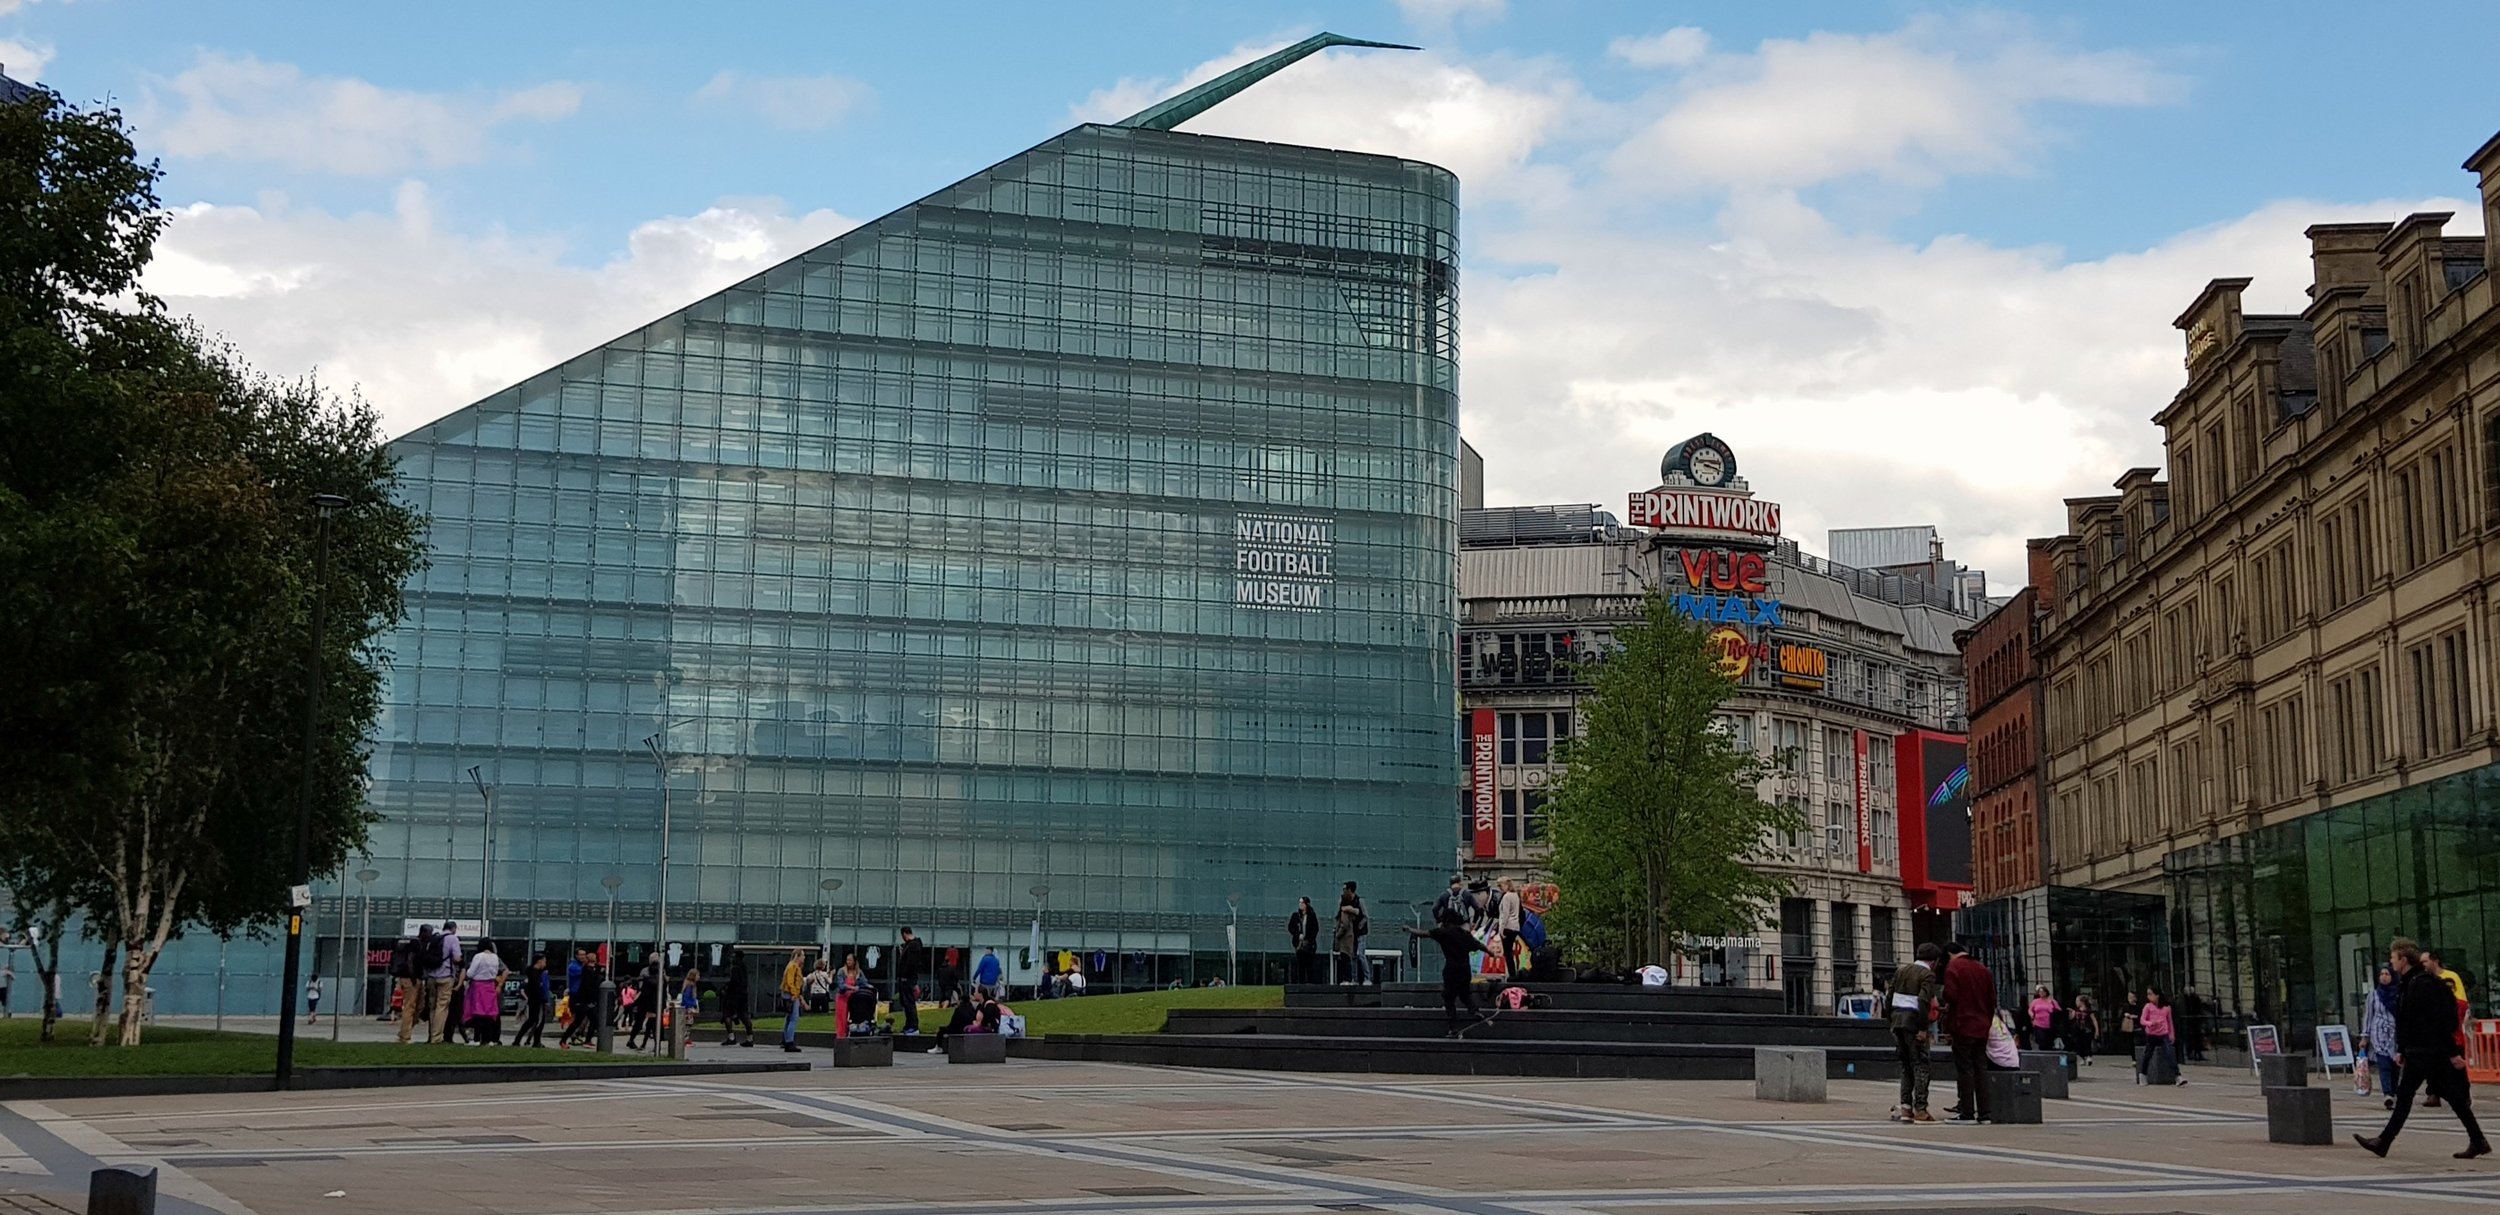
(1844, 672)
(2269, 678)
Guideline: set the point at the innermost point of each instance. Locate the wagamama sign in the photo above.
(1283, 562)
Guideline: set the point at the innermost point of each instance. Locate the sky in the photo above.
(1915, 263)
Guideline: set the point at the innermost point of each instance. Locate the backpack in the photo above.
(1532, 929)
(404, 959)
(429, 951)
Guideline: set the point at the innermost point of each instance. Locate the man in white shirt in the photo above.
(1506, 917)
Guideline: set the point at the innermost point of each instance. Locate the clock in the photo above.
(1706, 467)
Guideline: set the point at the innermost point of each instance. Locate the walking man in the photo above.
(1303, 928)
(2426, 1052)
(1457, 986)
(911, 962)
(987, 971)
(588, 999)
(1913, 1015)
(312, 998)
(409, 962)
(1970, 1004)
(1506, 918)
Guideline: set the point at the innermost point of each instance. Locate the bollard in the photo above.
(2283, 1071)
(680, 1032)
(2056, 1070)
(2013, 1097)
(2299, 1114)
(605, 1010)
(126, 1190)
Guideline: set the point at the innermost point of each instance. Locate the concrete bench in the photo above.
(1790, 1073)
(864, 1052)
(974, 1048)
(2056, 1070)
(2299, 1114)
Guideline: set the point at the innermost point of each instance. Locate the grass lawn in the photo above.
(168, 1051)
(1139, 1012)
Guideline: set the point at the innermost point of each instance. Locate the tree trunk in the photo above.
(135, 965)
(103, 992)
(48, 973)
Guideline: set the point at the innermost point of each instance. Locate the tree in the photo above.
(157, 576)
(1656, 819)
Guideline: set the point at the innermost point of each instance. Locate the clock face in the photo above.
(1707, 467)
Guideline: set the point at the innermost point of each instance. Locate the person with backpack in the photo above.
(1353, 924)
(911, 965)
(442, 970)
(1302, 927)
(585, 998)
(412, 961)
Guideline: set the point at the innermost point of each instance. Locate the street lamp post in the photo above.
(1041, 897)
(1232, 939)
(338, 997)
(300, 874)
(607, 985)
(364, 941)
(829, 885)
(486, 873)
(659, 957)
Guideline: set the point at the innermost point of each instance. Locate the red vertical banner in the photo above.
(1866, 788)
(1480, 781)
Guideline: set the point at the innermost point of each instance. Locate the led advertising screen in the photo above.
(1945, 774)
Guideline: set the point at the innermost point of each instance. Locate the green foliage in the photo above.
(158, 571)
(1656, 819)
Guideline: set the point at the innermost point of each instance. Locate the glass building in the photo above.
(1073, 546)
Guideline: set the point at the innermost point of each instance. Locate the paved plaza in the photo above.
(929, 1138)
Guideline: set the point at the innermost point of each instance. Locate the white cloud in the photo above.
(1419, 105)
(793, 103)
(1917, 103)
(245, 108)
(24, 61)
(423, 320)
(1682, 46)
(1441, 14)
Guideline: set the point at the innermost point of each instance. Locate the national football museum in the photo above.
(1073, 546)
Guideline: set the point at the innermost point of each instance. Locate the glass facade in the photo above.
(1089, 524)
(2287, 924)
(2097, 943)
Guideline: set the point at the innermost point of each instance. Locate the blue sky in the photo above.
(1916, 262)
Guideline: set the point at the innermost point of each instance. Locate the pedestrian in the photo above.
(1969, 991)
(689, 1003)
(1506, 919)
(1453, 898)
(950, 976)
(2456, 986)
(2378, 1032)
(1076, 980)
(737, 1011)
(535, 995)
(589, 1000)
(1457, 984)
(485, 972)
(793, 993)
(442, 978)
(2044, 1011)
(1302, 928)
(409, 963)
(2160, 1026)
(8, 979)
(2131, 1028)
(2083, 1029)
(1352, 924)
(2426, 1051)
(988, 971)
(911, 964)
(1913, 1019)
(854, 1005)
(820, 987)
(312, 998)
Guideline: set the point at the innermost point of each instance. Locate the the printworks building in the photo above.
(1847, 679)
(1087, 525)
(2268, 678)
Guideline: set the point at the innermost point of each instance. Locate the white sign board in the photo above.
(2335, 1046)
(468, 930)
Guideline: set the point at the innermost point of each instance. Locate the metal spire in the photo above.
(1171, 112)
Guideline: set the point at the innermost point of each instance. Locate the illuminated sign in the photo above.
(1736, 655)
(1691, 510)
(1720, 570)
(1283, 562)
(1480, 779)
(1802, 666)
(1729, 609)
(1934, 791)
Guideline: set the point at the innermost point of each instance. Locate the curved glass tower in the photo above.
(1088, 524)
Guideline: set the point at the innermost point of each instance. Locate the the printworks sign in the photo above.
(1480, 777)
(1283, 562)
(1700, 495)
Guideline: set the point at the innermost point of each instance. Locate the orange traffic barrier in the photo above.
(2482, 1052)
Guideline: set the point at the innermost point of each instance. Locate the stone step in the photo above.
(1437, 1056)
(1539, 1025)
(1585, 996)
